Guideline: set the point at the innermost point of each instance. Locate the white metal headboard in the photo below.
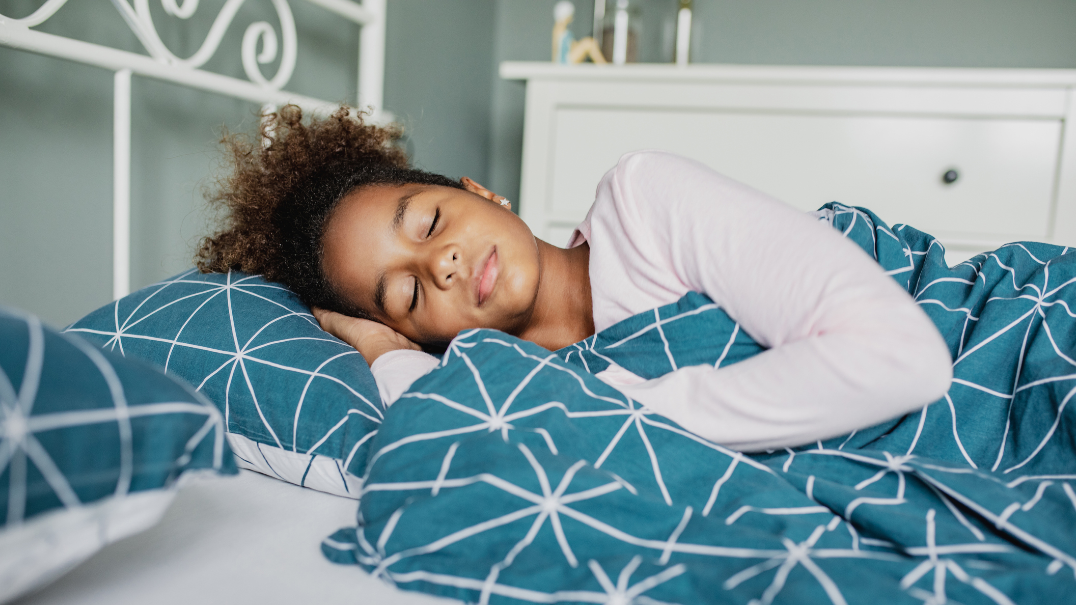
(261, 45)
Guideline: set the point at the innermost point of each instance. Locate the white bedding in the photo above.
(249, 539)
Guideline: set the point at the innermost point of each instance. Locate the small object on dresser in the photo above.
(683, 32)
(566, 49)
(620, 40)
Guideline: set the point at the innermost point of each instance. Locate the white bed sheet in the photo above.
(248, 539)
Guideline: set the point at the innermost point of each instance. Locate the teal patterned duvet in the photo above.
(511, 474)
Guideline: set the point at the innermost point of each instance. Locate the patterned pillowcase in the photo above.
(299, 404)
(89, 445)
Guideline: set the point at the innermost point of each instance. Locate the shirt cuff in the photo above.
(619, 377)
(395, 371)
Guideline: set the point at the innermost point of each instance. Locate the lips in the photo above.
(487, 277)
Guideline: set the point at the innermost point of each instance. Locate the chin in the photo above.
(521, 294)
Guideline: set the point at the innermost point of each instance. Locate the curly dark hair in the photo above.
(283, 187)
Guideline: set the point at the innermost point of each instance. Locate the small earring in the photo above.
(505, 202)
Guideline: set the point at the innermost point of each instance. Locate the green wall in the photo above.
(441, 64)
(437, 80)
(923, 33)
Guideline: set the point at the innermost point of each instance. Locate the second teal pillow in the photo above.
(299, 404)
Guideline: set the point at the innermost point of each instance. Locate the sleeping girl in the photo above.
(395, 261)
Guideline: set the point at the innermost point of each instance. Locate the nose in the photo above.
(444, 266)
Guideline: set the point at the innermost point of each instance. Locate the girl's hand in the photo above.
(370, 338)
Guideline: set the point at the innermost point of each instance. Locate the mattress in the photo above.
(247, 539)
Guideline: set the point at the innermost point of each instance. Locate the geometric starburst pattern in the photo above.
(299, 404)
(512, 474)
(78, 425)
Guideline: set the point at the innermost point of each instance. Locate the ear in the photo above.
(471, 185)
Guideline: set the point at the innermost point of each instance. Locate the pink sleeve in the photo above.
(395, 371)
(848, 347)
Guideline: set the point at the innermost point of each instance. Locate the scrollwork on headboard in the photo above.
(261, 45)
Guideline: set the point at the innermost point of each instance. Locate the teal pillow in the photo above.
(299, 404)
(90, 444)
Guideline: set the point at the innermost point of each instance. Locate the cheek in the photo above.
(521, 282)
(519, 285)
(526, 273)
(444, 318)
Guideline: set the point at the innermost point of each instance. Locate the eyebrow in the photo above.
(397, 220)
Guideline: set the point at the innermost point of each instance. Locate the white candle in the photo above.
(683, 36)
(620, 33)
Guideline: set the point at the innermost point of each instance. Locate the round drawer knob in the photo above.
(950, 176)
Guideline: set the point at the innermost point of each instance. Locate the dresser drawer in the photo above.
(1004, 169)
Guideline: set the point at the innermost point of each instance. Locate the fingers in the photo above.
(407, 343)
(324, 317)
(339, 325)
(329, 319)
(370, 338)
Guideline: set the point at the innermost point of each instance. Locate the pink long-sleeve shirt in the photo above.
(846, 346)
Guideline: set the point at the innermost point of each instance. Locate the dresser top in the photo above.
(663, 72)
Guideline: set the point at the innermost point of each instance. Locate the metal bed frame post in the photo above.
(161, 64)
(372, 58)
(121, 185)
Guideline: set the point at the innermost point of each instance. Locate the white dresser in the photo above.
(976, 157)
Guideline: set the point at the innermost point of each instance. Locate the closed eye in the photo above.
(433, 225)
(414, 298)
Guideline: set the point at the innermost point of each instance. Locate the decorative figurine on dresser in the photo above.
(566, 49)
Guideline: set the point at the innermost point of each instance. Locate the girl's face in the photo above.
(429, 261)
